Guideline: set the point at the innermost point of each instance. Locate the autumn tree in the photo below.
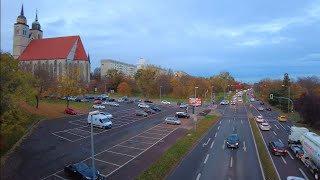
(146, 81)
(113, 78)
(124, 89)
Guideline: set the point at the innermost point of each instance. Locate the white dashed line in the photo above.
(198, 177)
(285, 162)
(212, 144)
(303, 174)
(276, 126)
(216, 134)
(290, 155)
(205, 161)
(220, 122)
(274, 133)
(218, 127)
(280, 140)
(231, 159)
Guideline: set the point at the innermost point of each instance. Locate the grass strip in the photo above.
(161, 168)
(266, 162)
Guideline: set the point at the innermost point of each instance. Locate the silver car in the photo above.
(141, 113)
(172, 120)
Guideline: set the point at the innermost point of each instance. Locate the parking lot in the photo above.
(80, 129)
(112, 159)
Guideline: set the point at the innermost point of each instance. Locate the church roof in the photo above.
(53, 48)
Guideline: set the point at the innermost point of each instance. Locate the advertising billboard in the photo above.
(195, 101)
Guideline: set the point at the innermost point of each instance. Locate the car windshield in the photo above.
(233, 137)
(105, 120)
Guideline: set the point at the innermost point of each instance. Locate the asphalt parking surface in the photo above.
(55, 143)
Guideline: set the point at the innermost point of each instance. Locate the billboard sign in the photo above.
(195, 101)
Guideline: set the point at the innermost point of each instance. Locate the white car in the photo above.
(165, 102)
(172, 120)
(233, 103)
(114, 104)
(98, 106)
(105, 103)
(108, 115)
(264, 126)
(183, 105)
(120, 100)
(240, 100)
(259, 119)
(143, 105)
(260, 108)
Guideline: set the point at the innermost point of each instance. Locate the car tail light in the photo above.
(300, 156)
(285, 151)
(275, 150)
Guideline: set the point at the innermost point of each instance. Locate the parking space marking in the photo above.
(288, 126)
(59, 176)
(54, 174)
(139, 141)
(120, 153)
(130, 147)
(303, 174)
(274, 133)
(284, 161)
(290, 155)
(106, 162)
(83, 130)
(148, 137)
(62, 137)
(280, 140)
(74, 134)
(154, 133)
(160, 130)
(78, 124)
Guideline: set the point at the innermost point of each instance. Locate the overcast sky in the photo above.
(252, 39)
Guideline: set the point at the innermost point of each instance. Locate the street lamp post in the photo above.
(211, 94)
(288, 97)
(92, 144)
(160, 92)
(195, 112)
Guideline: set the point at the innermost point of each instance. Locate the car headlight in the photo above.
(227, 142)
(237, 144)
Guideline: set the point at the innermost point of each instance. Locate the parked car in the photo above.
(233, 141)
(84, 100)
(282, 119)
(264, 126)
(260, 108)
(149, 110)
(155, 108)
(108, 115)
(165, 102)
(125, 98)
(141, 113)
(143, 105)
(259, 119)
(97, 102)
(277, 148)
(182, 115)
(98, 106)
(114, 104)
(110, 99)
(136, 100)
(261, 103)
(120, 100)
(183, 105)
(130, 101)
(148, 101)
(172, 120)
(233, 103)
(77, 99)
(81, 171)
(268, 109)
(70, 111)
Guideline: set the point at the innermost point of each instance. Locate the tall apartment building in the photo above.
(126, 69)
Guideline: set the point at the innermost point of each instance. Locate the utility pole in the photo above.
(160, 92)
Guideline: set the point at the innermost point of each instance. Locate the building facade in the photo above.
(127, 69)
(54, 55)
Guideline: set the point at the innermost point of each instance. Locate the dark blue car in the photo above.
(81, 171)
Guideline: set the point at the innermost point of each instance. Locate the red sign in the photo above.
(195, 101)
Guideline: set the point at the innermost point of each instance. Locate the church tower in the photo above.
(35, 31)
(21, 35)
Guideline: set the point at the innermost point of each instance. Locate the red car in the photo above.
(97, 102)
(268, 109)
(262, 103)
(70, 111)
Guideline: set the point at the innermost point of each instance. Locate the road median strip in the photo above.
(267, 165)
(162, 167)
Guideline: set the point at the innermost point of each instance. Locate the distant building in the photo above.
(142, 63)
(54, 55)
(127, 69)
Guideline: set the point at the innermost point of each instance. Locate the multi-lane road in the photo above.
(287, 165)
(211, 159)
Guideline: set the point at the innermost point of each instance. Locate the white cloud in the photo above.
(311, 57)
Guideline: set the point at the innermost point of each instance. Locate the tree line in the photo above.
(304, 93)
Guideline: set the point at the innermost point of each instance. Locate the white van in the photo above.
(100, 120)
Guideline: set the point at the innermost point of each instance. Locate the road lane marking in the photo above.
(205, 161)
(282, 126)
(274, 133)
(149, 137)
(244, 146)
(288, 126)
(303, 174)
(280, 140)
(224, 144)
(290, 155)
(204, 144)
(276, 126)
(231, 159)
(285, 162)
(211, 144)
(218, 127)
(220, 122)
(241, 121)
(216, 134)
(229, 120)
(198, 177)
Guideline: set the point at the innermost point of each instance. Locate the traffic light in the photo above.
(271, 96)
